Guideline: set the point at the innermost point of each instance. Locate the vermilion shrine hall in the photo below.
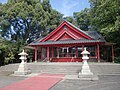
(66, 43)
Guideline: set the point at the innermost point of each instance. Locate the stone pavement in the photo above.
(109, 82)
(40, 82)
(7, 80)
(109, 75)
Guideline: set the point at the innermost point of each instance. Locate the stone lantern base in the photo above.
(22, 70)
(85, 73)
(87, 77)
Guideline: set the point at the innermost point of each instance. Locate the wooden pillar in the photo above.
(76, 51)
(82, 47)
(107, 53)
(67, 51)
(41, 53)
(48, 53)
(98, 52)
(58, 52)
(112, 54)
(52, 52)
(35, 54)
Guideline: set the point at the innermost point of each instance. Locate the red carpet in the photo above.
(41, 82)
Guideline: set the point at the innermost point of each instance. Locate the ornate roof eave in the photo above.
(63, 42)
(109, 43)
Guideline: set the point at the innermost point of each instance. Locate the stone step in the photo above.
(67, 68)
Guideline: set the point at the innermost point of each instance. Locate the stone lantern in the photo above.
(23, 69)
(85, 73)
(85, 68)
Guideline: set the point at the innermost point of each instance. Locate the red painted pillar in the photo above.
(58, 52)
(48, 53)
(52, 52)
(107, 52)
(40, 53)
(82, 47)
(112, 54)
(35, 54)
(76, 52)
(98, 52)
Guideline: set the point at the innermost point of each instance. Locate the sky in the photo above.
(66, 7)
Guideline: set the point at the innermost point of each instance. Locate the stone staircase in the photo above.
(71, 68)
(46, 67)
(56, 68)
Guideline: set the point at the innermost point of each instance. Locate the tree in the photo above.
(105, 16)
(83, 19)
(9, 51)
(71, 20)
(27, 19)
(24, 21)
(55, 19)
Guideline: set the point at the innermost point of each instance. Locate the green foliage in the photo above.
(117, 59)
(83, 19)
(55, 20)
(28, 18)
(9, 51)
(105, 16)
(22, 20)
(71, 20)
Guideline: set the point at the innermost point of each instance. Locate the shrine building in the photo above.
(66, 42)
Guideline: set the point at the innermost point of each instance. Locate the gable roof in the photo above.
(90, 36)
(78, 28)
(68, 24)
(96, 35)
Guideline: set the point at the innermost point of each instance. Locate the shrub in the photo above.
(117, 59)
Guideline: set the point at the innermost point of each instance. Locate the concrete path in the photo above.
(104, 83)
(41, 82)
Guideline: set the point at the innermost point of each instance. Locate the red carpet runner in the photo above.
(41, 82)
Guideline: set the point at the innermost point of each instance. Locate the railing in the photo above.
(45, 60)
(66, 59)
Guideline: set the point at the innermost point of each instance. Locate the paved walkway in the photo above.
(105, 82)
(41, 82)
(108, 73)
